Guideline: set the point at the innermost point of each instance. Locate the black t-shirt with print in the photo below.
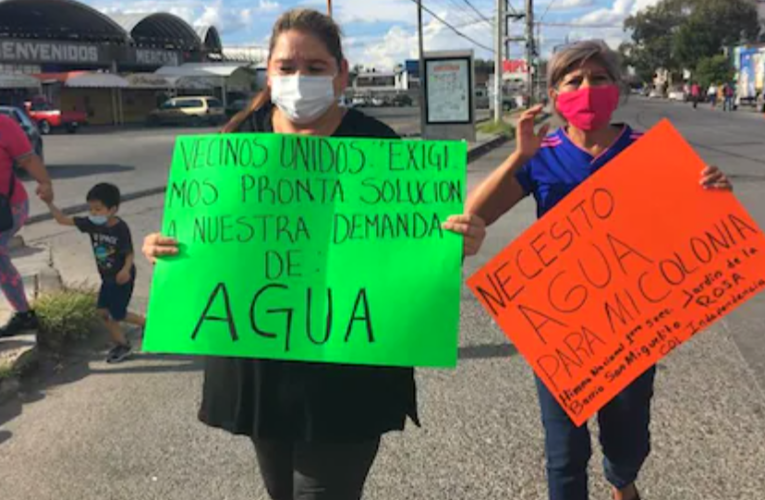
(111, 245)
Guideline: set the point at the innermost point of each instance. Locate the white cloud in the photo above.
(227, 20)
(268, 6)
(401, 43)
(563, 5)
(369, 11)
(221, 14)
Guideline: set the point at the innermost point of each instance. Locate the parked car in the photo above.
(677, 95)
(360, 102)
(482, 99)
(236, 106)
(401, 101)
(49, 118)
(377, 102)
(345, 102)
(194, 111)
(29, 127)
(655, 94)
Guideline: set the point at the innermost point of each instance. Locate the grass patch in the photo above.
(492, 127)
(65, 316)
(6, 370)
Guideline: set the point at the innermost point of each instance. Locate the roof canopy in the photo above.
(57, 19)
(210, 38)
(13, 81)
(85, 80)
(201, 69)
(159, 30)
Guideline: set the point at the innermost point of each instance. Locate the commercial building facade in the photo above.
(126, 58)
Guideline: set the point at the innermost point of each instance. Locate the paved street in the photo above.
(137, 160)
(96, 432)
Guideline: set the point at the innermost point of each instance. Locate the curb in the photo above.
(486, 147)
(9, 387)
(473, 154)
(44, 280)
(83, 207)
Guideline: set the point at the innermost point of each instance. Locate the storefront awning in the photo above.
(18, 82)
(148, 81)
(221, 70)
(85, 80)
(154, 81)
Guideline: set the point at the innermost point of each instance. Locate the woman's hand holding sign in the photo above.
(155, 245)
(471, 227)
(713, 178)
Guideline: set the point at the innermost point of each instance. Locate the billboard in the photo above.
(751, 77)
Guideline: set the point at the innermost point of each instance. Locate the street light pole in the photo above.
(530, 49)
(421, 70)
(499, 23)
(329, 8)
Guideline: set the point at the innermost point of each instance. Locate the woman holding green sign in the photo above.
(316, 427)
(584, 86)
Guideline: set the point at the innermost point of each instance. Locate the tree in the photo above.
(652, 31)
(716, 69)
(678, 34)
(713, 25)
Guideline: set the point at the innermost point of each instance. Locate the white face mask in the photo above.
(303, 98)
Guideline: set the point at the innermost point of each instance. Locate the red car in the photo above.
(48, 118)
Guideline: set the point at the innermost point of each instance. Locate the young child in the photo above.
(113, 249)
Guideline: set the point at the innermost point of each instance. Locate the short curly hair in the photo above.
(575, 55)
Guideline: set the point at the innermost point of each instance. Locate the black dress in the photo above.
(299, 401)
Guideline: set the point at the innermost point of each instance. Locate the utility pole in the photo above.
(499, 23)
(539, 74)
(329, 8)
(421, 70)
(530, 48)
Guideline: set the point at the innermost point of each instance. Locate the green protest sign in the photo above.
(311, 249)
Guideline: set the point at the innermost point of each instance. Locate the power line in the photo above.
(453, 28)
(576, 25)
(455, 6)
(549, 5)
(480, 14)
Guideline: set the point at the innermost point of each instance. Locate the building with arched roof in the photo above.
(159, 30)
(58, 20)
(67, 38)
(210, 38)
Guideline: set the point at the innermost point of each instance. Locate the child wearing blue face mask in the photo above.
(113, 249)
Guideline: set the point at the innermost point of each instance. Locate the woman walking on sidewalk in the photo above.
(14, 210)
(584, 85)
(316, 427)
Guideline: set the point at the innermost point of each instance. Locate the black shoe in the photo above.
(119, 353)
(20, 322)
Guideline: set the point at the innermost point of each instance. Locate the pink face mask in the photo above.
(589, 108)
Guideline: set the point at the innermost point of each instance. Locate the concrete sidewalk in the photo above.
(35, 264)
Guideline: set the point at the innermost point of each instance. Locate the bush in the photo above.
(65, 316)
(6, 370)
(492, 127)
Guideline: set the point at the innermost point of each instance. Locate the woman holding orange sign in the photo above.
(584, 87)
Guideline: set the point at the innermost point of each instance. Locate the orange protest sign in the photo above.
(631, 264)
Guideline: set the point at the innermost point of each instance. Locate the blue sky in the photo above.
(382, 33)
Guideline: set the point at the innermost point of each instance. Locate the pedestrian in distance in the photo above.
(316, 427)
(16, 151)
(695, 94)
(712, 95)
(113, 250)
(728, 93)
(585, 83)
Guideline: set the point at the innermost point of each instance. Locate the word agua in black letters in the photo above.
(268, 302)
